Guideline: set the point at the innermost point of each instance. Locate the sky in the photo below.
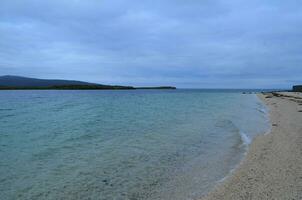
(184, 43)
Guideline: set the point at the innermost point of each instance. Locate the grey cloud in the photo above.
(183, 43)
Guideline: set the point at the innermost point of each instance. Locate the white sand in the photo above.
(272, 168)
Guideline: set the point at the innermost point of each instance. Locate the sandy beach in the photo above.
(272, 168)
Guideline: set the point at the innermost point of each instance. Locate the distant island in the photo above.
(9, 82)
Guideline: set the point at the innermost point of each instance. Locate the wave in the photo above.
(231, 126)
(262, 110)
(6, 109)
(245, 138)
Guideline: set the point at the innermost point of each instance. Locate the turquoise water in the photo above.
(145, 144)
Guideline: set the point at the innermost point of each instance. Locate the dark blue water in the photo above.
(145, 144)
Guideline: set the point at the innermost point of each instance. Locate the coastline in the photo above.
(272, 167)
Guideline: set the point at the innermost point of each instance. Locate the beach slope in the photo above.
(272, 168)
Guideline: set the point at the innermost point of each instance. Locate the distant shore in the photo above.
(10, 82)
(272, 168)
(87, 87)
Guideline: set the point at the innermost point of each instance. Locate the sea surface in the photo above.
(136, 144)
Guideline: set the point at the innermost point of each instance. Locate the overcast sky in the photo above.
(185, 43)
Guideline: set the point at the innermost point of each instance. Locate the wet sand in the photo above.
(272, 168)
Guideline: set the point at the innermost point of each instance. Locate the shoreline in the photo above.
(272, 166)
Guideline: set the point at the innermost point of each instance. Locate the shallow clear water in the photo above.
(145, 144)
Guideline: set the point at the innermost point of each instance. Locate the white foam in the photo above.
(245, 138)
(262, 110)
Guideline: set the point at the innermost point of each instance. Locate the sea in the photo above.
(123, 144)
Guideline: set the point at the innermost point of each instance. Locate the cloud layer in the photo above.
(207, 43)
